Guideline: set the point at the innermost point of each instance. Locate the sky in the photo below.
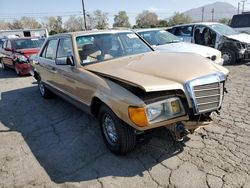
(14, 9)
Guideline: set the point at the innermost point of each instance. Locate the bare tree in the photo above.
(100, 20)
(4, 25)
(54, 24)
(121, 19)
(146, 19)
(29, 23)
(74, 24)
(16, 24)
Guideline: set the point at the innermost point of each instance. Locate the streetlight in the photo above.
(84, 16)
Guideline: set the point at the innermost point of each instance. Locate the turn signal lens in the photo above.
(138, 116)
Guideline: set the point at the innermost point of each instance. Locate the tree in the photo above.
(16, 24)
(100, 20)
(29, 23)
(121, 19)
(162, 23)
(146, 19)
(54, 24)
(74, 24)
(179, 18)
(226, 21)
(4, 25)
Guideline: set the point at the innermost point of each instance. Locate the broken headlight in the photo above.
(163, 110)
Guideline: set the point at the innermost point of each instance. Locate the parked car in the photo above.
(233, 45)
(16, 52)
(117, 77)
(241, 22)
(163, 40)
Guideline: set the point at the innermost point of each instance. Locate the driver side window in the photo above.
(204, 36)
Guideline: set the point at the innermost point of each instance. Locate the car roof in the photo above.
(148, 29)
(89, 32)
(198, 23)
(22, 38)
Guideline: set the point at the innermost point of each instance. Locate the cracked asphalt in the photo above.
(50, 143)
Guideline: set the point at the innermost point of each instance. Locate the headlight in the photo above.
(164, 110)
(156, 112)
(20, 58)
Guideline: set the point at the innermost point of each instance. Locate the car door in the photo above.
(70, 79)
(64, 80)
(46, 65)
(8, 54)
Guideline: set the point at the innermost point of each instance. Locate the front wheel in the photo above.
(3, 66)
(119, 137)
(17, 71)
(229, 56)
(44, 90)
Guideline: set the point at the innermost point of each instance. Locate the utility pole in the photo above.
(212, 14)
(238, 7)
(84, 15)
(243, 5)
(202, 12)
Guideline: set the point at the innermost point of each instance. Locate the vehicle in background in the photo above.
(160, 39)
(233, 45)
(16, 53)
(241, 22)
(41, 33)
(119, 78)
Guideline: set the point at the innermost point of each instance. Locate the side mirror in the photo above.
(69, 60)
(8, 49)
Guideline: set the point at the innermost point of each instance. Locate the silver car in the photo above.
(163, 40)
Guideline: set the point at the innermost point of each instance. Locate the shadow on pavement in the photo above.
(9, 73)
(68, 144)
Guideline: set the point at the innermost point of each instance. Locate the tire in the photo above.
(229, 56)
(3, 66)
(119, 137)
(17, 72)
(44, 90)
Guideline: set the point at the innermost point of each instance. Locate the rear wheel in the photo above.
(44, 90)
(229, 56)
(119, 137)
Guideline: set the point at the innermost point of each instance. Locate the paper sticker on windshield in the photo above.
(162, 31)
(131, 35)
(34, 39)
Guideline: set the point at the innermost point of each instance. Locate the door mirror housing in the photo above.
(8, 49)
(69, 60)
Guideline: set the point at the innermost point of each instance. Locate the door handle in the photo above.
(53, 70)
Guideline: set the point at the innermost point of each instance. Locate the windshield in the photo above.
(223, 29)
(28, 43)
(158, 37)
(100, 47)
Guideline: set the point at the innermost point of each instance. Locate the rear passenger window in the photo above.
(185, 31)
(50, 50)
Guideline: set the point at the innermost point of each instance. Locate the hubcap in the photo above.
(41, 88)
(227, 57)
(109, 129)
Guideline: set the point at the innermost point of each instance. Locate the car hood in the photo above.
(156, 71)
(189, 47)
(28, 52)
(242, 37)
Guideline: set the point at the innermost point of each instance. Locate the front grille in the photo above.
(208, 97)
